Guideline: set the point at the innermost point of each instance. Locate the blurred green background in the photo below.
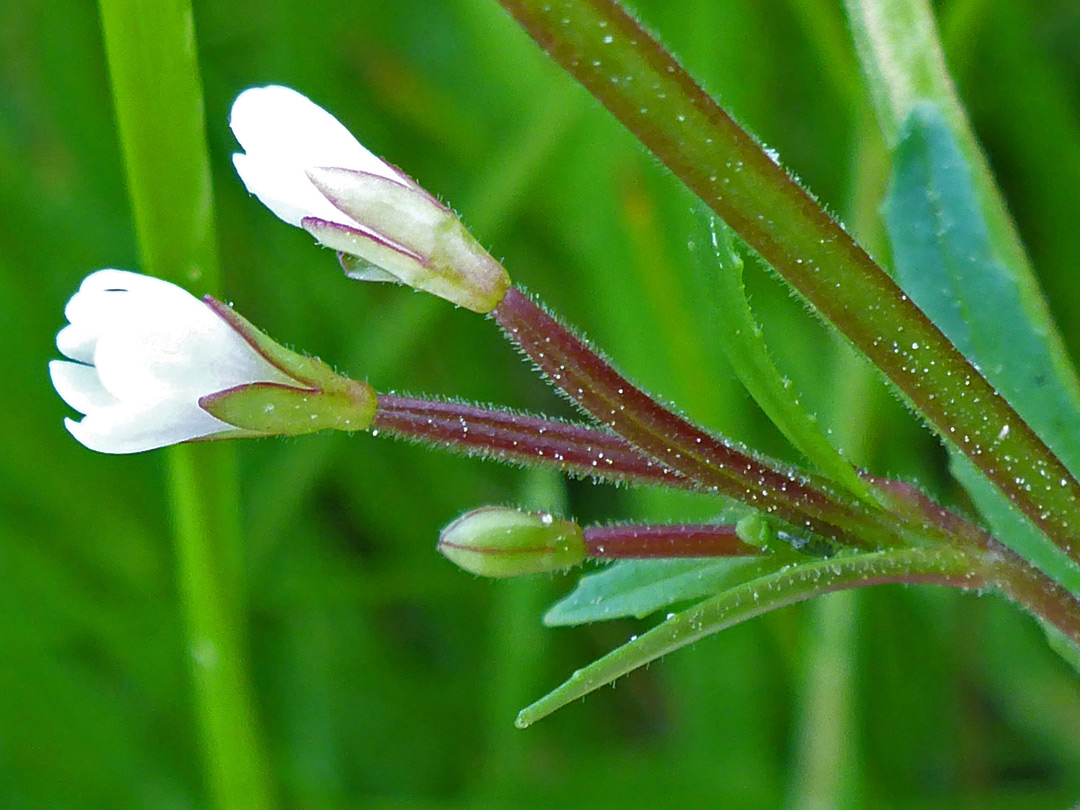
(385, 677)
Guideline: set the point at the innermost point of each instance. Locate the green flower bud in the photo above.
(500, 542)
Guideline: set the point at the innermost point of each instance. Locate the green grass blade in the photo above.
(157, 94)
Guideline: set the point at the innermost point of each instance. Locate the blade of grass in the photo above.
(158, 98)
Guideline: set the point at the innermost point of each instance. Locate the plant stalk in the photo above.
(713, 463)
(666, 542)
(605, 49)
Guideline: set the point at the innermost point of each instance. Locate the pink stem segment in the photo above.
(684, 540)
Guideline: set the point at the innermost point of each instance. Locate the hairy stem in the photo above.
(522, 439)
(660, 541)
(714, 464)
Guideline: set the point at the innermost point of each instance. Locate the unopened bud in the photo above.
(500, 542)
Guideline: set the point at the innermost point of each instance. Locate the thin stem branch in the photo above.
(522, 439)
(663, 541)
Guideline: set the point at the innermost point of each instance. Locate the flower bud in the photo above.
(151, 365)
(500, 542)
(312, 173)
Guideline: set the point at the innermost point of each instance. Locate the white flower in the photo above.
(311, 172)
(286, 134)
(142, 353)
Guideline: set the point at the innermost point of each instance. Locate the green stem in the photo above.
(158, 97)
(202, 491)
(825, 768)
(942, 185)
(642, 84)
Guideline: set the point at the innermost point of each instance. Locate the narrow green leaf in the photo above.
(945, 261)
(786, 586)
(640, 587)
(742, 341)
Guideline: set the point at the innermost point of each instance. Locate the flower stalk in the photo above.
(645, 542)
(522, 439)
(500, 542)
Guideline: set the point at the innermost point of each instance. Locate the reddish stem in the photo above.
(683, 540)
(522, 439)
(713, 463)
(630, 72)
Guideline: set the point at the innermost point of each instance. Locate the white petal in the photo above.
(79, 386)
(110, 286)
(129, 428)
(109, 298)
(77, 342)
(278, 123)
(113, 279)
(284, 134)
(191, 356)
(286, 190)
